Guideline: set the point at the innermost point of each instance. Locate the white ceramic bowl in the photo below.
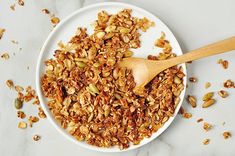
(84, 17)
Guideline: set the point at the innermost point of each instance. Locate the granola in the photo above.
(93, 99)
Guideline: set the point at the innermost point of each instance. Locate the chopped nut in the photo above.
(18, 103)
(207, 85)
(19, 88)
(2, 32)
(208, 96)
(45, 11)
(21, 114)
(228, 84)
(22, 125)
(223, 93)
(41, 113)
(208, 103)
(192, 101)
(32, 119)
(200, 120)
(193, 79)
(227, 135)
(10, 84)
(207, 126)
(206, 141)
(5, 56)
(224, 63)
(36, 137)
(187, 115)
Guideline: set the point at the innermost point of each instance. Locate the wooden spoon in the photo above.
(145, 70)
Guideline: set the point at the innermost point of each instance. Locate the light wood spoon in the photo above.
(145, 70)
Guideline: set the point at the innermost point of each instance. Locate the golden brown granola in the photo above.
(207, 126)
(2, 32)
(207, 85)
(193, 79)
(187, 115)
(223, 93)
(229, 84)
(199, 120)
(224, 63)
(5, 56)
(10, 84)
(21, 114)
(21, 2)
(22, 125)
(206, 141)
(227, 135)
(93, 99)
(36, 137)
(45, 11)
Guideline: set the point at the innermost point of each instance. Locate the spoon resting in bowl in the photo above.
(145, 70)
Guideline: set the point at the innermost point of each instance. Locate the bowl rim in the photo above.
(47, 111)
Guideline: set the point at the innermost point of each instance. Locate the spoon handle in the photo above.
(212, 49)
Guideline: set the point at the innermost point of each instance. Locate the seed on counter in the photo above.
(10, 84)
(206, 141)
(192, 101)
(208, 103)
(5, 56)
(208, 96)
(18, 103)
(223, 93)
(2, 32)
(207, 85)
(22, 125)
(21, 114)
(207, 126)
(227, 135)
(193, 79)
(45, 11)
(36, 137)
(200, 120)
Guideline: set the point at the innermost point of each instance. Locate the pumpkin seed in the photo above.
(208, 96)
(80, 64)
(18, 103)
(93, 88)
(208, 103)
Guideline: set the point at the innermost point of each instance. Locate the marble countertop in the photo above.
(195, 23)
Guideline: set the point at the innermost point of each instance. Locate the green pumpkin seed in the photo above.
(18, 103)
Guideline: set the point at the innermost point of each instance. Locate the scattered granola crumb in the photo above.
(55, 20)
(12, 7)
(200, 120)
(206, 141)
(181, 111)
(45, 11)
(223, 93)
(14, 42)
(207, 85)
(22, 125)
(36, 137)
(208, 103)
(18, 88)
(21, 2)
(2, 32)
(10, 84)
(207, 126)
(192, 101)
(193, 79)
(32, 119)
(41, 113)
(228, 83)
(187, 115)
(227, 135)
(208, 96)
(223, 123)
(224, 63)
(21, 114)
(5, 56)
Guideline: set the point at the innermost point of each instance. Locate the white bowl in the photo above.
(84, 17)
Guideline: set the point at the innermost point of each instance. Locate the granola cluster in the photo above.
(93, 99)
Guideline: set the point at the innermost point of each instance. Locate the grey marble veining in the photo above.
(195, 23)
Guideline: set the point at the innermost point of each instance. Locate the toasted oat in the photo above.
(200, 120)
(18, 88)
(41, 113)
(223, 93)
(224, 63)
(5, 56)
(208, 103)
(22, 125)
(187, 115)
(208, 96)
(206, 141)
(10, 84)
(21, 114)
(207, 85)
(193, 79)
(21, 2)
(192, 101)
(207, 126)
(45, 11)
(227, 135)
(228, 84)
(36, 137)
(2, 32)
